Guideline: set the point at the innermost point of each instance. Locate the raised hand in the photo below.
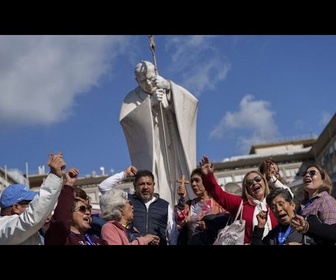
(131, 171)
(56, 164)
(206, 166)
(262, 219)
(71, 176)
(181, 191)
(270, 169)
(299, 223)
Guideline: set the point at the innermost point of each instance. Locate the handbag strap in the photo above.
(240, 211)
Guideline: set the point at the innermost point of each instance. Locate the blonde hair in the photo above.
(245, 193)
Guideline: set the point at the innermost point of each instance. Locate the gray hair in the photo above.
(110, 203)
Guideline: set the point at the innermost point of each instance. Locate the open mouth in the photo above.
(307, 181)
(87, 219)
(282, 216)
(256, 188)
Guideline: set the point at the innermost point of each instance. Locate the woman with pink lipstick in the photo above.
(254, 191)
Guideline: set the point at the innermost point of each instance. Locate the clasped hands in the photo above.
(56, 163)
(152, 239)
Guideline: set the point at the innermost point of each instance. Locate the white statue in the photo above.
(159, 122)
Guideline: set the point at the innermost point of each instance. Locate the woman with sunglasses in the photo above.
(317, 200)
(254, 191)
(72, 217)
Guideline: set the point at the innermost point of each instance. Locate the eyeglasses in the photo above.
(311, 173)
(83, 209)
(249, 182)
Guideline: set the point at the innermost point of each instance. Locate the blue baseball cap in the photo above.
(14, 194)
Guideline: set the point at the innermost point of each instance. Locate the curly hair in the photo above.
(110, 204)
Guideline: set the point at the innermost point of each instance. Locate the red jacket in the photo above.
(231, 203)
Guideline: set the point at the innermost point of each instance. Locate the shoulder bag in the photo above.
(232, 234)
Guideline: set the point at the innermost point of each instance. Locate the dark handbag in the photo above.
(215, 222)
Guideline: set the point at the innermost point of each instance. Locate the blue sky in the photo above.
(64, 93)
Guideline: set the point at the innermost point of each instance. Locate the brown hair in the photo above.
(79, 192)
(326, 182)
(78, 199)
(80, 195)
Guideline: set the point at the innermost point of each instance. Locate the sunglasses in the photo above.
(311, 173)
(249, 182)
(83, 209)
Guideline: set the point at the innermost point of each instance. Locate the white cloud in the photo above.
(40, 76)
(254, 119)
(198, 74)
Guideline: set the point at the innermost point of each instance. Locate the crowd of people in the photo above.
(60, 213)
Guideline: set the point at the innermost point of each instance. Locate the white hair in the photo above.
(110, 203)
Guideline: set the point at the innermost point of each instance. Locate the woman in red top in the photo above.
(254, 191)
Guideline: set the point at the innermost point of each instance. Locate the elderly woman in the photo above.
(117, 210)
(71, 220)
(282, 205)
(190, 215)
(254, 192)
